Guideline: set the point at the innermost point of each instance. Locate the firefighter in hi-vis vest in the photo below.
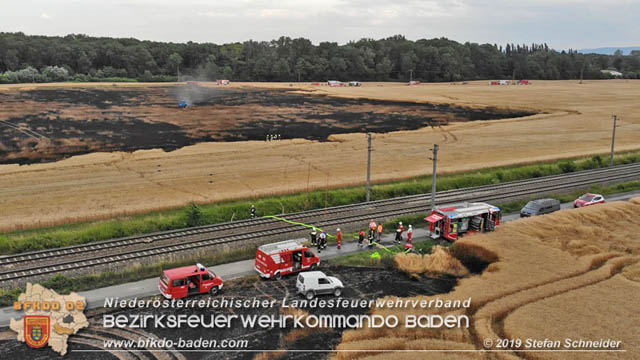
(360, 238)
(379, 231)
(409, 234)
(339, 238)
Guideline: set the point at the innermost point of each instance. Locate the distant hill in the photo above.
(609, 50)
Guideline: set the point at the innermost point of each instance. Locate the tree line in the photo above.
(25, 58)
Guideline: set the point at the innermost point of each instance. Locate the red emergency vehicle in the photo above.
(455, 221)
(284, 257)
(188, 280)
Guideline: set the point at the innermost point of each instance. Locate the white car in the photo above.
(312, 283)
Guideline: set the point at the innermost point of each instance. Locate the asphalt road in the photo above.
(148, 287)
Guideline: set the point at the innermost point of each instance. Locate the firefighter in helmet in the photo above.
(313, 237)
(372, 229)
(398, 235)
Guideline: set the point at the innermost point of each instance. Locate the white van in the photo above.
(312, 283)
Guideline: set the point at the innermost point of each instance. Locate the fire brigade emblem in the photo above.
(36, 330)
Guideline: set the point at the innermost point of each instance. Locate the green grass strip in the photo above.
(64, 284)
(204, 214)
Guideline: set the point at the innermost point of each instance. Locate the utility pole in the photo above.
(369, 149)
(433, 180)
(613, 138)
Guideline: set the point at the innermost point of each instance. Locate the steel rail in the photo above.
(409, 205)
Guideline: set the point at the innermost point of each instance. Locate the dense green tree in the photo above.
(33, 58)
(211, 70)
(281, 69)
(173, 63)
(55, 73)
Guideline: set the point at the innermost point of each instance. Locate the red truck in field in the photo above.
(286, 257)
(181, 282)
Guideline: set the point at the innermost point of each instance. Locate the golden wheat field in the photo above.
(573, 119)
(572, 274)
(439, 261)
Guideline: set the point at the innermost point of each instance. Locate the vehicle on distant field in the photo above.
(540, 207)
(355, 83)
(588, 199)
(313, 283)
(181, 282)
(455, 221)
(283, 258)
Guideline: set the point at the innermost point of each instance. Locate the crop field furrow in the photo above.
(488, 319)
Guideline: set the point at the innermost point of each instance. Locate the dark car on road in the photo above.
(540, 207)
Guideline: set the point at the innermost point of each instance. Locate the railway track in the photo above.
(37, 263)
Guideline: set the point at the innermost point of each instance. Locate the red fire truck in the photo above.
(453, 222)
(188, 280)
(285, 257)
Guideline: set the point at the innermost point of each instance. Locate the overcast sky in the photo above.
(562, 24)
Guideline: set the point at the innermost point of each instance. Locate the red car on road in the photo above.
(588, 199)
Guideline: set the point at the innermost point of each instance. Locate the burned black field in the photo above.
(50, 124)
(360, 283)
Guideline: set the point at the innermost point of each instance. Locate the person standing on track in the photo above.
(339, 238)
(360, 238)
(409, 234)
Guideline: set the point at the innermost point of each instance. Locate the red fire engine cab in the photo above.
(188, 280)
(284, 257)
(453, 222)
